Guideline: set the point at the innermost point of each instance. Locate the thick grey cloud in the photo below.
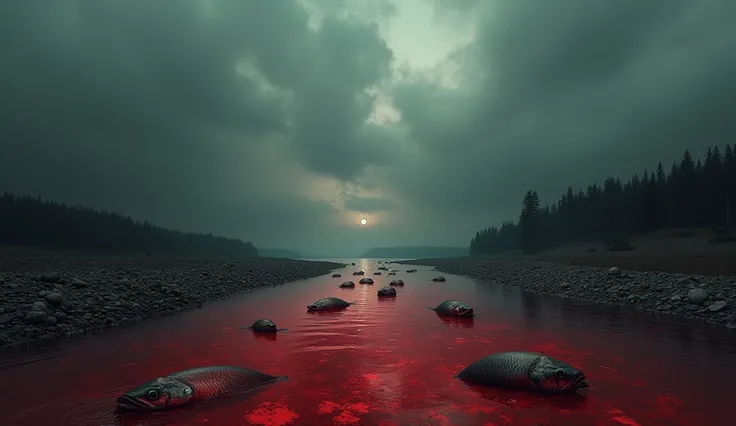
(246, 118)
(172, 110)
(368, 204)
(564, 93)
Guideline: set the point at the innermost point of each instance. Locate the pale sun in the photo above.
(363, 222)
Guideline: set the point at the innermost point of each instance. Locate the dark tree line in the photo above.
(692, 194)
(32, 222)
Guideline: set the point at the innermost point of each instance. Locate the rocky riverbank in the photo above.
(43, 297)
(707, 298)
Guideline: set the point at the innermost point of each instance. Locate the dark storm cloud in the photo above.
(137, 106)
(564, 93)
(368, 204)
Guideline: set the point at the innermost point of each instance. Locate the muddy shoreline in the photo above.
(46, 296)
(706, 298)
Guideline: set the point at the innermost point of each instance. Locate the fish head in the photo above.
(385, 291)
(319, 305)
(267, 325)
(462, 310)
(155, 395)
(555, 376)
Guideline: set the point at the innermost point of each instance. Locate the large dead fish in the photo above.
(453, 308)
(192, 386)
(525, 370)
(264, 326)
(328, 304)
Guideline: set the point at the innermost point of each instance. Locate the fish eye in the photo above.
(152, 394)
(559, 373)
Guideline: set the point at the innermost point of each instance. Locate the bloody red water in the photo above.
(387, 362)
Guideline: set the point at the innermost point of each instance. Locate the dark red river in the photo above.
(386, 362)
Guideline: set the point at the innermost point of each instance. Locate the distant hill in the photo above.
(33, 222)
(416, 252)
(279, 253)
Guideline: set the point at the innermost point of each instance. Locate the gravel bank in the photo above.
(43, 297)
(707, 298)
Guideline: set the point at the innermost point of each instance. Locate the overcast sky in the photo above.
(284, 122)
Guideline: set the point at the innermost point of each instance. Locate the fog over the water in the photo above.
(286, 122)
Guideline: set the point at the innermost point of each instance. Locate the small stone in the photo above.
(697, 296)
(124, 283)
(38, 306)
(717, 306)
(51, 320)
(35, 317)
(676, 297)
(77, 283)
(53, 277)
(615, 271)
(54, 299)
(565, 285)
(720, 296)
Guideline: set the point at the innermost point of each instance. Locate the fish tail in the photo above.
(352, 303)
(281, 378)
(456, 376)
(431, 309)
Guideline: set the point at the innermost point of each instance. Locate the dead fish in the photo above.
(192, 386)
(358, 273)
(453, 308)
(366, 280)
(329, 304)
(263, 326)
(392, 273)
(336, 275)
(399, 283)
(347, 284)
(411, 270)
(439, 279)
(377, 273)
(525, 370)
(387, 291)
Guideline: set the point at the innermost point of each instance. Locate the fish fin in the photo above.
(246, 327)
(353, 302)
(456, 376)
(281, 378)
(283, 329)
(431, 309)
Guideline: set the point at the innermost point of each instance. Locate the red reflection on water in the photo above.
(385, 362)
